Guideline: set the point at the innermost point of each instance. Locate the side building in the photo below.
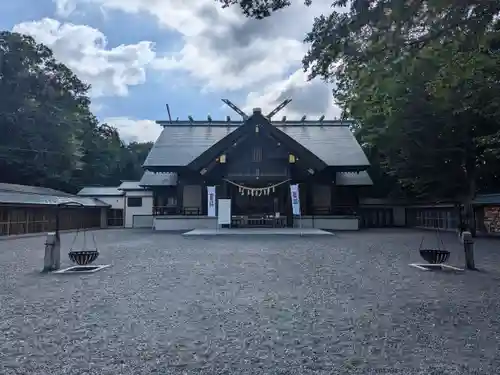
(113, 197)
(32, 209)
(130, 204)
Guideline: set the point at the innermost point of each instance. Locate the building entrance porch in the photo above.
(259, 206)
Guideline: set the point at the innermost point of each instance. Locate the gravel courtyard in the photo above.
(344, 304)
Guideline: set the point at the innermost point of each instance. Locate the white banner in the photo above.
(224, 212)
(211, 211)
(294, 191)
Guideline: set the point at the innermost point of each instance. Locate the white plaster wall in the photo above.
(117, 203)
(145, 209)
(336, 223)
(184, 223)
(139, 193)
(142, 221)
(327, 222)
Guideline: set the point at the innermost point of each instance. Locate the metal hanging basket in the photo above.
(437, 255)
(434, 256)
(83, 258)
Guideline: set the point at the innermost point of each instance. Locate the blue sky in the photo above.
(139, 55)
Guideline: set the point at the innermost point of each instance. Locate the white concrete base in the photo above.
(181, 223)
(337, 223)
(429, 267)
(98, 267)
(188, 223)
(258, 231)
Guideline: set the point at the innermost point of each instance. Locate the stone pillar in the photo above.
(469, 250)
(104, 218)
(52, 259)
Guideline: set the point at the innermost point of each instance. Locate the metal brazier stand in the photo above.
(434, 256)
(83, 257)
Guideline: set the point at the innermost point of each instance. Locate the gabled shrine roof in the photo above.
(354, 179)
(179, 145)
(158, 179)
(181, 142)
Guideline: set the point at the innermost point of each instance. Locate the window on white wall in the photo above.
(134, 202)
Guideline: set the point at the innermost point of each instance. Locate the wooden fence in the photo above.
(15, 220)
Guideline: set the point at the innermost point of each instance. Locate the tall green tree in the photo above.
(362, 29)
(51, 138)
(38, 93)
(422, 78)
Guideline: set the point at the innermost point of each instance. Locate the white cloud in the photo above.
(110, 71)
(278, 55)
(311, 98)
(132, 130)
(223, 50)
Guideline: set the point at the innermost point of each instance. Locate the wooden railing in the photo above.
(258, 221)
(170, 210)
(318, 211)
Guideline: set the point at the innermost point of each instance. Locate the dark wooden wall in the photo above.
(21, 219)
(258, 156)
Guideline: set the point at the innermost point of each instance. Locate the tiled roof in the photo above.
(180, 144)
(158, 179)
(354, 179)
(32, 190)
(130, 185)
(335, 145)
(98, 191)
(32, 195)
(493, 199)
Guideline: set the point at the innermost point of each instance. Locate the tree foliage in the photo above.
(423, 80)
(50, 137)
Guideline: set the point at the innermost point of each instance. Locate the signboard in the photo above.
(294, 191)
(211, 211)
(492, 219)
(224, 217)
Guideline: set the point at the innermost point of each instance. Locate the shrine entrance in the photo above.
(260, 206)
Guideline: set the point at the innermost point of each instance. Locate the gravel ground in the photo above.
(346, 304)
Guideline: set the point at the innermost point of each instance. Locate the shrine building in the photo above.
(253, 162)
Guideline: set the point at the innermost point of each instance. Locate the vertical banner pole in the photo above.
(300, 211)
(211, 209)
(294, 192)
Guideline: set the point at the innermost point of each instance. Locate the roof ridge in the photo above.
(213, 124)
(34, 193)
